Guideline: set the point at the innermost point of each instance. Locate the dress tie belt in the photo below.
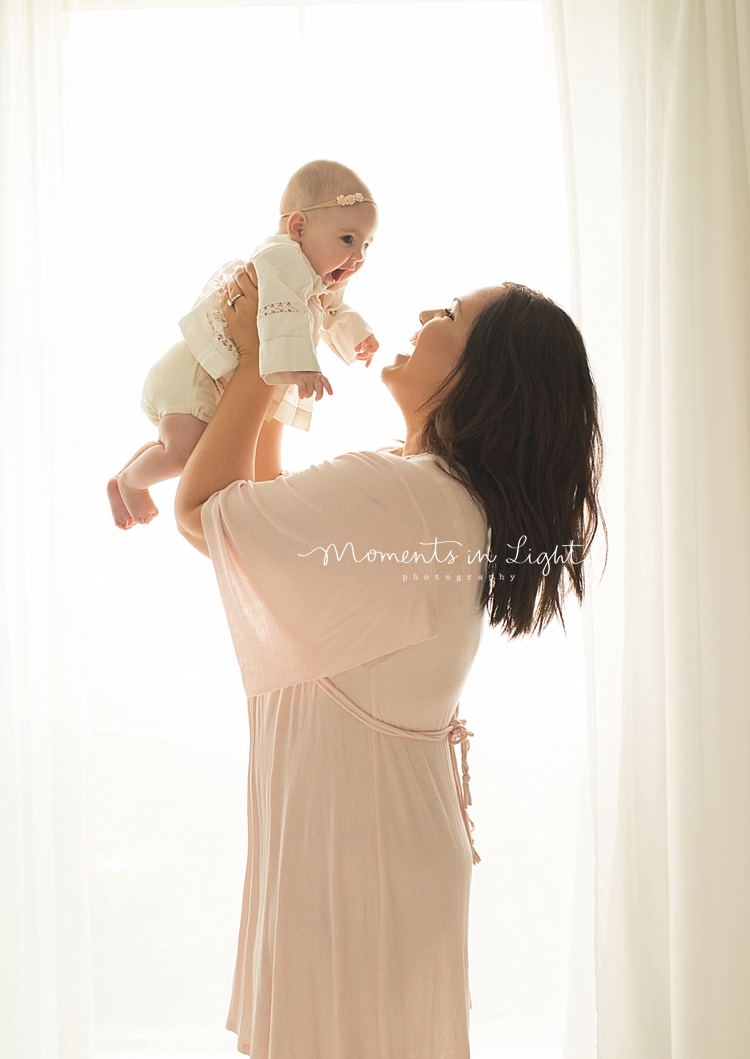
(455, 732)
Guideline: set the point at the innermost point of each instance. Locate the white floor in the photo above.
(166, 1052)
(544, 1052)
(476, 1053)
(490, 1040)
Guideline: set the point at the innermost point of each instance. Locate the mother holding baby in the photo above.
(355, 592)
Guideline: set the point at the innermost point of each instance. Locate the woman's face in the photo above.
(438, 344)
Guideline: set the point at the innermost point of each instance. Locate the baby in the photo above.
(328, 220)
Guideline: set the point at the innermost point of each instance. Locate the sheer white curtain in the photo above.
(45, 973)
(656, 101)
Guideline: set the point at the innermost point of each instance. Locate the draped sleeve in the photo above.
(288, 318)
(310, 568)
(343, 328)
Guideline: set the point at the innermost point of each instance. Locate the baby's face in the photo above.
(335, 240)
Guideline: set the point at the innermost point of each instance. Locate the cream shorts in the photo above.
(177, 383)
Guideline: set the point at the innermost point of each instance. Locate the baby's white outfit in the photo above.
(295, 310)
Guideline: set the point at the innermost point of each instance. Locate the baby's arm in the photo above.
(348, 335)
(284, 325)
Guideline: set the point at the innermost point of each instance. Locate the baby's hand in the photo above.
(309, 383)
(366, 348)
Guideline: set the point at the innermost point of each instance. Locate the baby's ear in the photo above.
(295, 225)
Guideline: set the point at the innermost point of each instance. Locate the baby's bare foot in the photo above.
(138, 502)
(120, 513)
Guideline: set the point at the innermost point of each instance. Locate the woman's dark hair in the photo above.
(519, 429)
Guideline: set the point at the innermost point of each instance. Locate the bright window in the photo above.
(185, 125)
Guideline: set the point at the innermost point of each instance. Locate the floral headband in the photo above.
(340, 200)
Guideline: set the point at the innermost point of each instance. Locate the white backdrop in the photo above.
(183, 133)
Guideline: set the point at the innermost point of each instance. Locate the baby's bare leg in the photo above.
(123, 518)
(178, 435)
(142, 449)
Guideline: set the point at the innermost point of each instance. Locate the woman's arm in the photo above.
(268, 451)
(237, 445)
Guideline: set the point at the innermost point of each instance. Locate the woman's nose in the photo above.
(427, 314)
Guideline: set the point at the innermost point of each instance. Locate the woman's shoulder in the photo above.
(353, 467)
(425, 475)
(375, 473)
(386, 460)
(392, 456)
(380, 471)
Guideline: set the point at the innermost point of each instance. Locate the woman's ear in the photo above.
(295, 225)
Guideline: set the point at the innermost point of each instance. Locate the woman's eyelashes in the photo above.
(450, 314)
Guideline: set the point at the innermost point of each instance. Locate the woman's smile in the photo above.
(414, 378)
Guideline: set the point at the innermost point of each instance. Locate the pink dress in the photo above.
(352, 594)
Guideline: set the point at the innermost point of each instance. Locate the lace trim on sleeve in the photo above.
(211, 296)
(279, 307)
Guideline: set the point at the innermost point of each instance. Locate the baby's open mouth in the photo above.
(338, 273)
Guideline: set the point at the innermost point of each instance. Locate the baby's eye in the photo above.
(348, 239)
(450, 314)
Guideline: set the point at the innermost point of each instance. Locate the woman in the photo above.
(355, 593)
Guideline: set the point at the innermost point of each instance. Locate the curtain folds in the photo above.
(656, 103)
(45, 1005)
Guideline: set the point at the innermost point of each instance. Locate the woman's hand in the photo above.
(240, 305)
